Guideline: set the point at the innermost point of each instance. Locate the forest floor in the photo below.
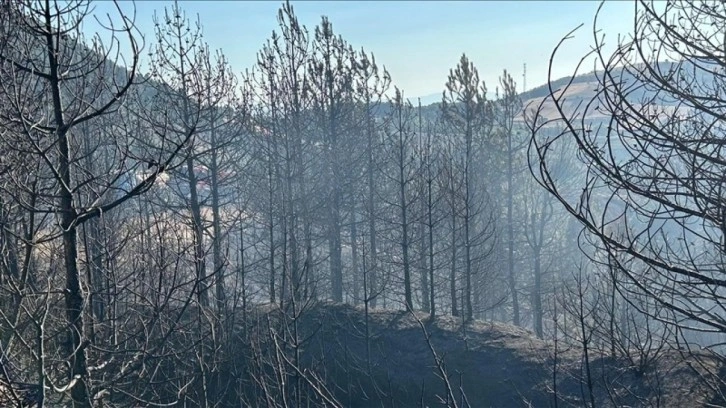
(488, 364)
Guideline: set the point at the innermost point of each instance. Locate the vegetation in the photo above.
(304, 234)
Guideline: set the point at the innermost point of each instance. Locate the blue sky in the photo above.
(418, 41)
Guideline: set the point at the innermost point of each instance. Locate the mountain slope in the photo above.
(488, 364)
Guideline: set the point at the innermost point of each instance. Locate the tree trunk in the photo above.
(292, 230)
(468, 222)
(271, 221)
(334, 218)
(92, 247)
(423, 268)
(431, 245)
(452, 276)
(510, 236)
(373, 269)
(197, 231)
(76, 347)
(537, 294)
(336, 264)
(354, 255)
(467, 272)
(404, 222)
(74, 296)
(217, 259)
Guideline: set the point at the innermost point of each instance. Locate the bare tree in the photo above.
(467, 115)
(372, 83)
(507, 107)
(451, 185)
(431, 215)
(178, 109)
(61, 83)
(654, 168)
(400, 139)
(332, 72)
(284, 102)
(226, 119)
(651, 200)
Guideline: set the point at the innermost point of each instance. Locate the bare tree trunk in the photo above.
(585, 342)
(510, 234)
(284, 273)
(306, 274)
(242, 271)
(431, 246)
(271, 220)
(92, 247)
(423, 269)
(354, 254)
(467, 272)
(336, 264)
(334, 218)
(611, 313)
(452, 276)
(468, 203)
(197, 231)
(404, 240)
(537, 293)
(217, 259)
(292, 222)
(76, 347)
(373, 271)
(308, 265)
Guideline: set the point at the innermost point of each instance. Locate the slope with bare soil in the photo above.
(488, 364)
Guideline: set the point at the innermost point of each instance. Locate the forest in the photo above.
(175, 233)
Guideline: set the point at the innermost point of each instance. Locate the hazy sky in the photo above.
(418, 41)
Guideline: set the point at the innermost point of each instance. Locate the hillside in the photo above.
(488, 365)
(581, 90)
(493, 364)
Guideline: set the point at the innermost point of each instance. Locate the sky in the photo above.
(417, 41)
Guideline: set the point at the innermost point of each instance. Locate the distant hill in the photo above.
(430, 99)
(581, 90)
(543, 90)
